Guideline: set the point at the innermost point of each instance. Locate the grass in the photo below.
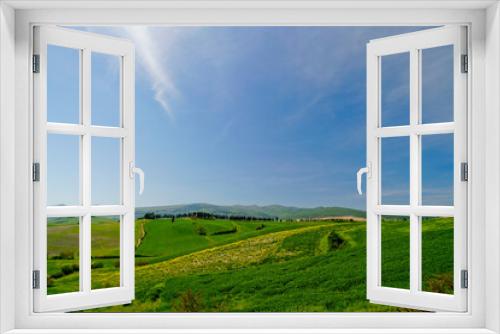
(166, 240)
(395, 253)
(258, 266)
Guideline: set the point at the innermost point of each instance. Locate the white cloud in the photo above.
(152, 56)
(153, 49)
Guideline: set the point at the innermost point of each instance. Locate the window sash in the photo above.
(413, 43)
(86, 297)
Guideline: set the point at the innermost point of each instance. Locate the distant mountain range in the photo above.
(267, 211)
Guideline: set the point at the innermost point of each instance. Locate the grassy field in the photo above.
(215, 265)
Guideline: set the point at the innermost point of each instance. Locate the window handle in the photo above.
(365, 170)
(136, 170)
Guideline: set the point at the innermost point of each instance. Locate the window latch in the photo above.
(365, 170)
(136, 170)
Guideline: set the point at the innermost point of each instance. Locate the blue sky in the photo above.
(250, 115)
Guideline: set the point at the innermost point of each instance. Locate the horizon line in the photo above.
(249, 205)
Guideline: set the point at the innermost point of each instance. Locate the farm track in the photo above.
(142, 235)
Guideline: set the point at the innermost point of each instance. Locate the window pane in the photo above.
(437, 254)
(106, 89)
(395, 90)
(395, 170)
(395, 252)
(437, 170)
(106, 170)
(437, 84)
(105, 252)
(63, 240)
(63, 170)
(63, 84)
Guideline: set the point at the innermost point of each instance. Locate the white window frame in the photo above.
(86, 43)
(483, 19)
(413, 44)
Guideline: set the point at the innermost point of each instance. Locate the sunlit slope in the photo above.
(164, 239)
(156, 241)
(316, 267)
(235, 266)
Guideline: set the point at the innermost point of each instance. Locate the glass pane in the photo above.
(106, 89)
(63, 170)
(395, 250)
(63, 240)
(395, 90)
(437, 84)
(106, 170)
(105, 252)
(395, 170)
(437, 254)
(63, 84)
(437, 170)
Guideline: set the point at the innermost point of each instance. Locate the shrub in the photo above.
(260, 227)
(201, 230)
(67, 269)
(188, 301)
(97, 265)
(154, 293)
(149, 215)
(64, 256)
(335, 241)
(67, 255)
(440, 283)
(141, 263)
(50, 282)
(230, 231)
(57, 275)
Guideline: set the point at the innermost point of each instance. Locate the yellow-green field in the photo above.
(218, 265)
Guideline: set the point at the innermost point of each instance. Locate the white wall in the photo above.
(492, 195)
(6, 167)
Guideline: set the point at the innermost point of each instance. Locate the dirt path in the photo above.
(142, 234)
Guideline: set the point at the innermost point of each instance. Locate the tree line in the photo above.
(205, 215)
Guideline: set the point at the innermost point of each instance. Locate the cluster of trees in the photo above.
(201, 230)
(153, 215)
(67, 255)
(206, 215)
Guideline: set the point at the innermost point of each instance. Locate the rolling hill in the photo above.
(221, 265)
(268, 211)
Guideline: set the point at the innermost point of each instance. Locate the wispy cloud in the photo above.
(153, 49)
(151, 55)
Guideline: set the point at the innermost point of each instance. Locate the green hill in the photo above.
(211, 265)
(268, 211)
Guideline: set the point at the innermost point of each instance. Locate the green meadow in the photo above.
(222, 265)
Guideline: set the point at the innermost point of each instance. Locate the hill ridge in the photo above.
(260, 211)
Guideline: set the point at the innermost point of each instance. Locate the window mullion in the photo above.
(85, 237)
(415, 184)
